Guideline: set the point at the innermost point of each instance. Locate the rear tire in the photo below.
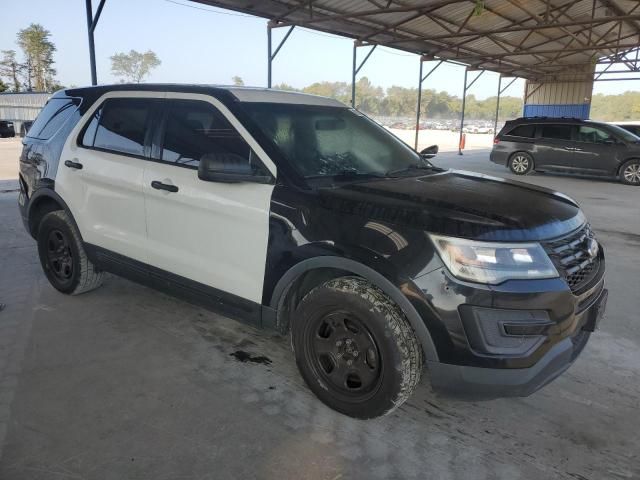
(355, 348)
(62, 255)
(630, 172)
(521, 163)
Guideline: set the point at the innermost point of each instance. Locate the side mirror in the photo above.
(228, 168)
(429, 152)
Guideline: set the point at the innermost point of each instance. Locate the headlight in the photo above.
(493, 263)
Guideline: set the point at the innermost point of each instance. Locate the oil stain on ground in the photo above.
(245, 357)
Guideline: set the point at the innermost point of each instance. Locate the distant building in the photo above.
(20, 107)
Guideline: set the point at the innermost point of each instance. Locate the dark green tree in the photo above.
(38, 49)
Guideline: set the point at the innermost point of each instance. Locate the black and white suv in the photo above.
(298, 214)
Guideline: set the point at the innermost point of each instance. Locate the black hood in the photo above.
(460, 204)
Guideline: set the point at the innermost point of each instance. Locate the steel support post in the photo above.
(495, 122)
(464, 101)
(418, 106)
(353, 76)
(269, 56)
(272, 55)
(421, 80)
(355, 70)
(91, 26)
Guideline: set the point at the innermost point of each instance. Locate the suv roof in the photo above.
(242, 94)
(548, 120)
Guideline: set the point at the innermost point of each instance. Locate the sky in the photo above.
(201, 44)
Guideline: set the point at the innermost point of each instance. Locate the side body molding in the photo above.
(281, 288)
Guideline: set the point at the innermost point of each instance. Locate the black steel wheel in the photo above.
(341, 351)
(62, 255)
(59, 255)
(355, 348)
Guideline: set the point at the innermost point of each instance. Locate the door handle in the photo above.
(569, 148)
(72, 164)
(164, 186)
(577, 149)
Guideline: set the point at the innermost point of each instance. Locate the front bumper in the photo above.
(476, 362)
(486, 383)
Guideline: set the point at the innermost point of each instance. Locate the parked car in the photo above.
(6, 129)
(259, 204)
(568, 145)
(631, 127)
(485, 129)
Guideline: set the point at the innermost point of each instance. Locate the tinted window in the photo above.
(54, 114)
(593, 135)
(194, 129)
(527, 131)
(119, 125)
(560, 132)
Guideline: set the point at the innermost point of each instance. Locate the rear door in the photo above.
(101, 171)
(211, 233)
(555, 146)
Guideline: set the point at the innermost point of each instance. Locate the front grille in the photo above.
(570, 255)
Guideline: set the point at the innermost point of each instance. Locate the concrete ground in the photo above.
(127, 383)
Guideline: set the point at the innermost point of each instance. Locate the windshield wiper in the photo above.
(413, 166)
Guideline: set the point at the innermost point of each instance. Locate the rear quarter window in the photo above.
(525, 131)
(53, 116)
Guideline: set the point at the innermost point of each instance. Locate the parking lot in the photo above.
(126, 383)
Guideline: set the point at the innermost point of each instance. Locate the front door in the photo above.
(596, 151)
(211, 233)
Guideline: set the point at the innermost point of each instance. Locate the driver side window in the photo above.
(593, 135)
(196, 129)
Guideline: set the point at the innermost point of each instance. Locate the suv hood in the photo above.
(461, 204)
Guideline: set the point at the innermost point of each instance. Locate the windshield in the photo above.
(626, 135)
(320, 141)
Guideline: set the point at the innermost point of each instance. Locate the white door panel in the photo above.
(212, 233)
(105, 196)
(106, 200)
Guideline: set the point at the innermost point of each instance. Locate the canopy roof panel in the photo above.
(537, 39)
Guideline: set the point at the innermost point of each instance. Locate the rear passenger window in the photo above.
(559, 132)
(526, 131)
(54, 114)
(194, 129)
(119, 125)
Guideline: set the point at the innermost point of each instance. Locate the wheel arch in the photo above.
(318, 269)
(623, 163)
(43, 201)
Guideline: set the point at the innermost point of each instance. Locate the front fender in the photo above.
(391, 289)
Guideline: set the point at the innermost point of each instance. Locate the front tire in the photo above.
(62, 255)
(521, 163)
(630, 173)
(355, 348)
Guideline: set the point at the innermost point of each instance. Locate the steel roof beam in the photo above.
(522, 28)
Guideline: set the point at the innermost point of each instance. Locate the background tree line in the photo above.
(32, 71)
(401, 102)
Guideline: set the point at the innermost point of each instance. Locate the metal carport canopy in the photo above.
(540, 40)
